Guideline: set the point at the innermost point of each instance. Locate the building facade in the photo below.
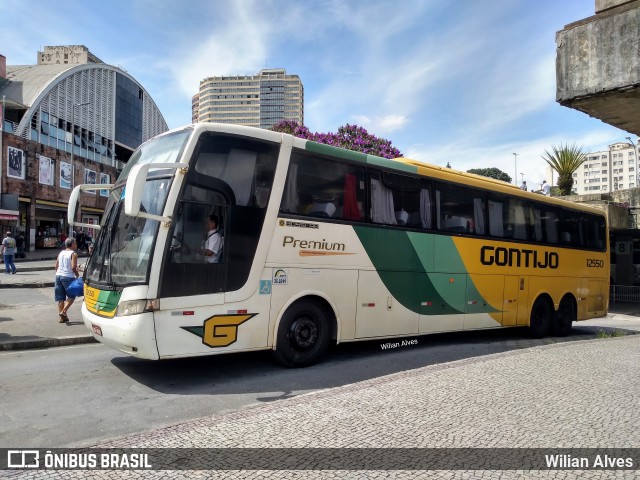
(598, 66)
(67, 120)
(608, 170)
(260, 100)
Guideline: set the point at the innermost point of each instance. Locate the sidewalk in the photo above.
(37, 327)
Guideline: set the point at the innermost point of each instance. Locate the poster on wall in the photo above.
(46, 176)
(16, 166)
(90, 177)
(65, 175)
(104, 179)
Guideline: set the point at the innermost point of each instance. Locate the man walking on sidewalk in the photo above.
(9, 250)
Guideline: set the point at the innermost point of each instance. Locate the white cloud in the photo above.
(528, 161)
(381, 125)
(237, 46)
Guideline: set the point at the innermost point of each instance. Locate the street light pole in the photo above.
(73, 140)
(73, 145)
(515, 163)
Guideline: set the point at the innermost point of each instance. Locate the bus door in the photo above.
(515, 306)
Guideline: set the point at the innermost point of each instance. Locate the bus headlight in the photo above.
(134, 307)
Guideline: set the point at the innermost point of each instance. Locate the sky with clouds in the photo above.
(459, 81)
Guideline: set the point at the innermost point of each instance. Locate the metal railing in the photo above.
(624, 293)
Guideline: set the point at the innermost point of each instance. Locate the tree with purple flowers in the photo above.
(351, 137)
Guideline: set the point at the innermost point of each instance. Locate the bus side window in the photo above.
(322, 187)
(460, 210)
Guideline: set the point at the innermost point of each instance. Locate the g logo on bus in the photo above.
(220, 330)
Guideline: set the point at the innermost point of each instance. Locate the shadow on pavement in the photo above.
(344, 364)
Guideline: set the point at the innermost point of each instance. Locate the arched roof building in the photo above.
(67, 120)
(102, 107)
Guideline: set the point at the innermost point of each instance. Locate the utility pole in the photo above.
(515, 163)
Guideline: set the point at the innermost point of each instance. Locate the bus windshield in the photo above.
(123, 249)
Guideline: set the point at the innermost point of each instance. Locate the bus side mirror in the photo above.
(73, 202)
(134, 188)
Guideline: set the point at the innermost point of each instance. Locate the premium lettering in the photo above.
(313, 244)
(516, 257)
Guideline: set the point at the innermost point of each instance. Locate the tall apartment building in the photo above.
(260, 100)
(609, 170)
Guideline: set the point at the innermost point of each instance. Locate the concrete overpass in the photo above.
(598, 64)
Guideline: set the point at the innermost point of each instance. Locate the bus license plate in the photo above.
(96, 329)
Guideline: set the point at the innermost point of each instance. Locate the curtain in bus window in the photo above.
(551, 227)
(496, 227)
(382, 204)
(425, 208)
(290, 200)
(478, 215)
(239, 174)
(519, 222)
(537, 224)
(236, 169)
(438, 212)
(351, 211)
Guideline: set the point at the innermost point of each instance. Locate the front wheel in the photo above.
(541, 318)
(303, 335)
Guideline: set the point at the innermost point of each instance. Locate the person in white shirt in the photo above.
(545, 188)
(213, 244)
(523, 186)
(66, 272)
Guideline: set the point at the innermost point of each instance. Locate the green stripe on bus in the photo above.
(402, 259)
(108, 300)
(335, 151)
(358, 157)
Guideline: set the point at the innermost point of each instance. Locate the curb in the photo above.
(27, 285)
(47, 343)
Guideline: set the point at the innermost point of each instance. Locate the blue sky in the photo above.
(458, 81)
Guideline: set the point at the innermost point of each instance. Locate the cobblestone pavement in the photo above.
(569, 395)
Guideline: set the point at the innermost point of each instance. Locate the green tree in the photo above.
(565, 160)
(492, 172)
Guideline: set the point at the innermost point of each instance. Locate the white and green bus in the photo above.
(323, 245)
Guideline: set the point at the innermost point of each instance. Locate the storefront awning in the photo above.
(9, 214)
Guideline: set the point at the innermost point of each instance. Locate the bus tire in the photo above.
(541, 318)
(303, 334)
(564, 318)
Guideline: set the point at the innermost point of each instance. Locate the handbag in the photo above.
(76, 288)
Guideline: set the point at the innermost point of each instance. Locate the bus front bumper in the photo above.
(134, 335)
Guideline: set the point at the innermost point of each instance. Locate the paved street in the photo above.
(575, 394)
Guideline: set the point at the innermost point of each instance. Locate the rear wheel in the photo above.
(303, 335)
(541, 318)
(564, 318)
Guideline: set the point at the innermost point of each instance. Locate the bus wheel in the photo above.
(564, 318)
(541, 318)
(303, 335)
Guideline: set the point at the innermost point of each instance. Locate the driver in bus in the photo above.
(213, 244)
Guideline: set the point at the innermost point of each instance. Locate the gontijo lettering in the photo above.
(515, 257)
(319, 245)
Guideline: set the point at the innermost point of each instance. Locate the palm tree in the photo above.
(565, 160)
